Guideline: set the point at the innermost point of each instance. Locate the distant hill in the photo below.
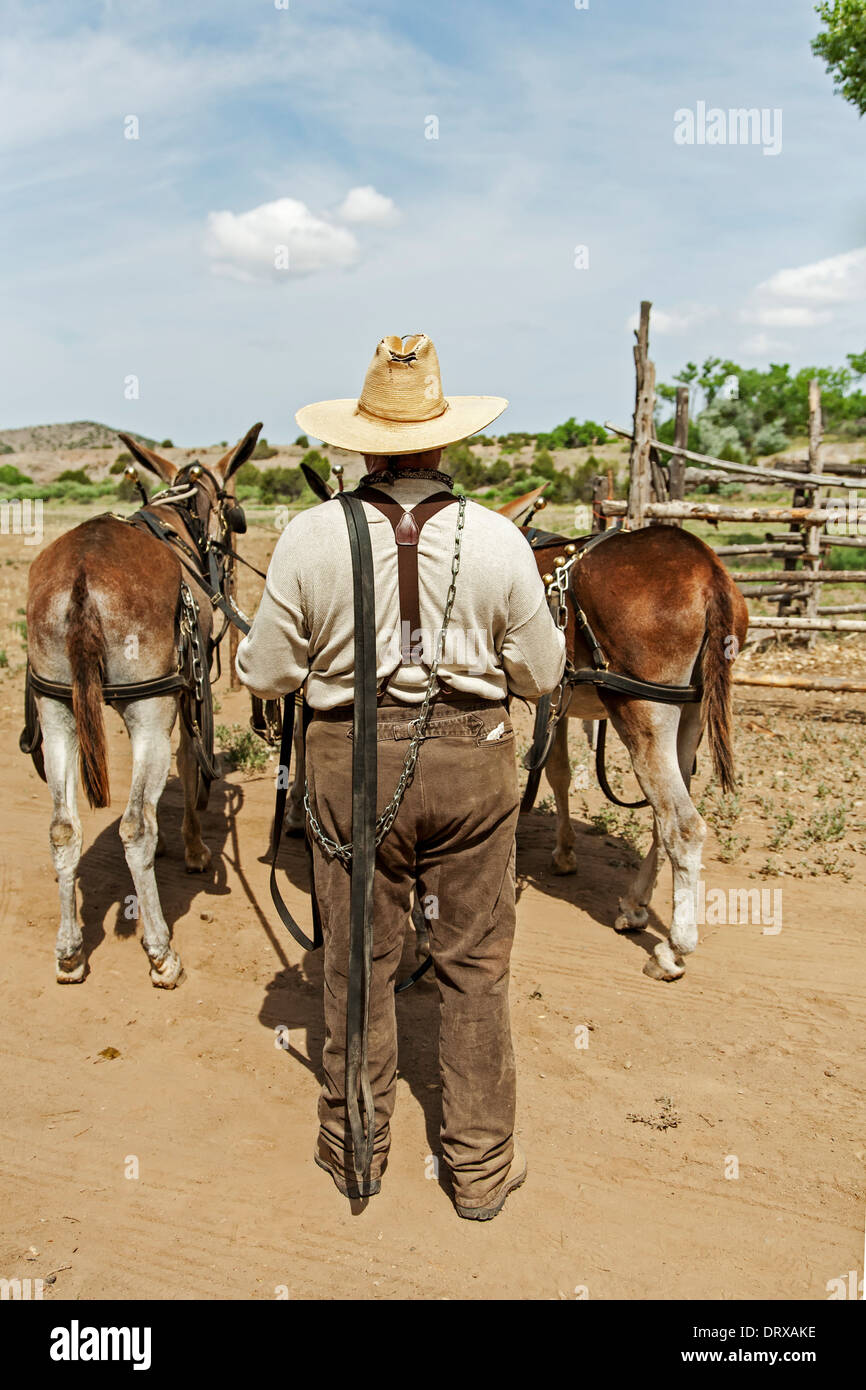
(79, 434)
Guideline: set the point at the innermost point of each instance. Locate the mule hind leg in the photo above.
(195, 852)
(558, 772)
(60, 746)
(661, 752)
(149, 724)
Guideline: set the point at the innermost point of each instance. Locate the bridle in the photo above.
(210, 559)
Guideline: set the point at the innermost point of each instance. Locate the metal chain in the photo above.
(389, 815)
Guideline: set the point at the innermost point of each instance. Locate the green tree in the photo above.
(313, 459)
(281, 484)
(842, 45)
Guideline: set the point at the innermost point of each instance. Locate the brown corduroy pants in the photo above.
(454, 839)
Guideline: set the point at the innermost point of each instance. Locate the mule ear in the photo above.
(163, 468)
(232, 461)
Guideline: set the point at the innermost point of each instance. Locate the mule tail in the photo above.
(720, 648)
(85, 646)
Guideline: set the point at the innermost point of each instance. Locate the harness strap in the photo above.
(285, 916)
(407, 526)
(364, 789)
(644, 690)
(601, 772)
(165, 533)
(113, 694)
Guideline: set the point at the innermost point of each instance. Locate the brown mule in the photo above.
(102, 609)
(664, 609)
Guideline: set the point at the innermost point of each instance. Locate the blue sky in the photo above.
(154, 257)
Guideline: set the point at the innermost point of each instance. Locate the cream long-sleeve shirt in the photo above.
(501, 635)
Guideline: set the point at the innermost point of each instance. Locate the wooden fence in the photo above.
(658, 478)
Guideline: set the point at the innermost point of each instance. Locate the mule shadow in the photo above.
(105, 883)
(606, 865)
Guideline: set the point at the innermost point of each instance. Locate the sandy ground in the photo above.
(753, 1062)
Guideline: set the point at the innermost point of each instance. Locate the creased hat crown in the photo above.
(403, 382)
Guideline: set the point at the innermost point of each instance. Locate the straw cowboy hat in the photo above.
(402, 408)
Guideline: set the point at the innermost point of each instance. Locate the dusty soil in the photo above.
(755, 1056)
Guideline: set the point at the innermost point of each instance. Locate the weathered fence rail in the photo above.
(656, 494)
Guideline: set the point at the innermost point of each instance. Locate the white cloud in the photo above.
(364, 205)
(831, 281)
(786, 316)
(251, 245)
(761, 346)
(677, 321)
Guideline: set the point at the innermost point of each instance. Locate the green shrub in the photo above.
(498, 471)
(11, 475)
(281, 484)
(571, 435)
(263, 450)
(248, 475)
(74, 475)
(243, 749)
(120, 463)
(313, 459)
(302, 442)
(166, 444)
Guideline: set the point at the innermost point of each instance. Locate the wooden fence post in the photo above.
(812, 557)
(640, 466)
(677, 470)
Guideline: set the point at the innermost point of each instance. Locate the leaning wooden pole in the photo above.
(677, 468)
(640, 455)
(812, 557)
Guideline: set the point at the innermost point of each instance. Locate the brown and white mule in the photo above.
(102, 609)
(664, 609)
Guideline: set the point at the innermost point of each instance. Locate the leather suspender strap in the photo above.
(364, 790)
(407, 526)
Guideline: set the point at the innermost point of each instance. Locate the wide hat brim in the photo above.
(342, 424)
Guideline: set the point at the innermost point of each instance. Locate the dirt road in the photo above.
(708, 1141)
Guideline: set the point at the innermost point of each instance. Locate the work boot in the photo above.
(515, 1177)
(345, 1178)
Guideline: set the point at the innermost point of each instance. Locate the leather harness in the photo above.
(189, 677)
(550, 709)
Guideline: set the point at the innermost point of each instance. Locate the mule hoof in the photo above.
(167, 973)
(657, 971)
(564, 862)
(197, 860)
(631, 918)
(72, 970)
